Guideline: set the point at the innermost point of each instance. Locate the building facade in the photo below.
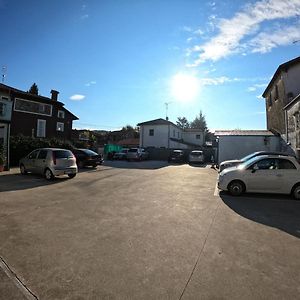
(282, 89)
(160, 133)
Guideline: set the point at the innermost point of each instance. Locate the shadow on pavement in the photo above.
(147, 164)
(278, 211)
(16, 182)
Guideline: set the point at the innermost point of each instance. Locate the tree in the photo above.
(182, 122)
(129, 132)
(34, 89)
(199, 122)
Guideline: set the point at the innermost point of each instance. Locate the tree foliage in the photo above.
(34, 89)
(183, 123)
(199, 122)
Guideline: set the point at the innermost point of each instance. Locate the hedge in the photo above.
(21, 145)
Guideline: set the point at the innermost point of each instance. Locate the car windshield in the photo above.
(249, 162)
(62, 154)
(249, 156)
(89, 152)
(196, 153)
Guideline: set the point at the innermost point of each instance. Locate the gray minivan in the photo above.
(49, 162)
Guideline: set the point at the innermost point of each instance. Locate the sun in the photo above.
(184, 87)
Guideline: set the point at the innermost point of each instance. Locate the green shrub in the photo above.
(21, 145)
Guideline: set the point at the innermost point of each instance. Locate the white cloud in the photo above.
(77, 97)
(90, 83)
(265, 41)
(217, 80)
(254, 87)
(244, 24)
(83, 17)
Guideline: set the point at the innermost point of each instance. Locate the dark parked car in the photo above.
(176, 156)
(87, 157)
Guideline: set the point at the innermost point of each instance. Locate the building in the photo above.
(32, 115)
(292, 115)
(283, 88)
(160, 133)
(235, 144)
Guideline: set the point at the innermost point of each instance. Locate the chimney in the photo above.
(54, 95)
(167, 118)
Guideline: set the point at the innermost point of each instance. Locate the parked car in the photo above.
(137, 154)
(196, 156)
(235, 162)
(263, 174)
(87, 157)
(121, 155)
(176, 156)
(49, 162)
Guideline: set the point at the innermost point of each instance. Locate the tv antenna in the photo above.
(167, 108)
(4, 69)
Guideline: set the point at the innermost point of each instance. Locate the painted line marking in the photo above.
(18, 283)
(216, 192)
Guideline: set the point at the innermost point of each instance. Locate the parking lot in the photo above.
(145, 230)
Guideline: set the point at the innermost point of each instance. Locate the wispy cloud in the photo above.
(217, 80)
(246, 23)
(77, 97)
(85, 16)
(254, 87)
(90, 83)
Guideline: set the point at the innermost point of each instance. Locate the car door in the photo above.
(40, 161)
(262, 176)
(288, 175)
(30, 161)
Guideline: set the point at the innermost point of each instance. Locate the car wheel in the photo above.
(72, 175)
(48, 174)
(296, 192)
(23, 170)
(236, 188)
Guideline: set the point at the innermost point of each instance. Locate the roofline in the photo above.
(283, 67)
(292, 102)
(169, 123)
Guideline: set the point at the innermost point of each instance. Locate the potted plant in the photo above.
(2, 158)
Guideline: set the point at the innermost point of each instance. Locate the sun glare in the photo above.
(184, 87)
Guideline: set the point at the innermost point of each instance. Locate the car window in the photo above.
(285, 164)
(33, 154)
(89, 152)
(63, 154)
(42, 154)
(132, 150)
(267, 164)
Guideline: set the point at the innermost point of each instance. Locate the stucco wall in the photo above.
(291, 80)
(159, 139)
(236, 147)
(191, 137)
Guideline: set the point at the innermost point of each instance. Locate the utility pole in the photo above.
(167, 107)
(4, 69)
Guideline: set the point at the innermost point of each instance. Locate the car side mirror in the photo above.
(254, 169)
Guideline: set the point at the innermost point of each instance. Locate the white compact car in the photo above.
(263, 174)
(196, 156)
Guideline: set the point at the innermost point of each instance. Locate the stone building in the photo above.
(283, 88)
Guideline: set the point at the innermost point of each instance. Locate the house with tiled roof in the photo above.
(32, 115)
(161, 133)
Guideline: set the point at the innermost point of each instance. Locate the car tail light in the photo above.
(53, 157)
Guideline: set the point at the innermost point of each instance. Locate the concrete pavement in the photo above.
(147, 231)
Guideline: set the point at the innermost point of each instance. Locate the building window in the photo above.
(60, 126)
(2, 109)
(173, 132)
(198, 136)
(276, 92)
(32, 107)
(41, 128)
(61, 114)
(270, 100)
(5, 98)
(151, 132)
(178, 134)
(297, 120)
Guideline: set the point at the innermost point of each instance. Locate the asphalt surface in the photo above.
(145, 230)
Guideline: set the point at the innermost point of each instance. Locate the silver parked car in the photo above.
(196, 156)
(137, 154)
(263, 174)
(231, 163)
(49, 162)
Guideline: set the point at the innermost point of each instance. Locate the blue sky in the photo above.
(114, 62)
